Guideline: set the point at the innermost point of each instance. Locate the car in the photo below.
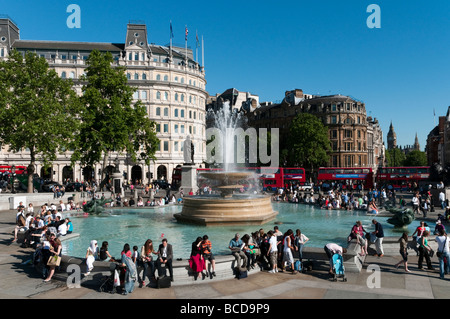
(75, 187)
(162, 184)
(48, 186)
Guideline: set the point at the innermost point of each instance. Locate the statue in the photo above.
(188, 151)
(96, 206)
(401, 218)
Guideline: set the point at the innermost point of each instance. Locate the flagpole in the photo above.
(196, 46)
(203, 55)
(185, 41)
(171, 33)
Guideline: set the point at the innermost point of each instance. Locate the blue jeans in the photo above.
(441, 264)
(300, 251)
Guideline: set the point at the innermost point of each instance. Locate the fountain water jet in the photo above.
(227, 208)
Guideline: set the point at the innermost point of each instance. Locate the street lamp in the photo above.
(13, 177)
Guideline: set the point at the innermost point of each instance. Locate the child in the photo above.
(135, 256)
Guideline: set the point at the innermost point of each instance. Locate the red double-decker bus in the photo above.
(349, 177)
(19, 169)
(402, 178)
(176, 178)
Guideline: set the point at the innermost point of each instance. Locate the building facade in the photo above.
(356, 141)
(169, 82)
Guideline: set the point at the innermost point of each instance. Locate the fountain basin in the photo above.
(234, 210)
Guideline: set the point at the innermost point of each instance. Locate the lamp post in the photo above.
(13, 177)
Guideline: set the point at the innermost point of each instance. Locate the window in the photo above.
(130, 56)
(333, 107)
(158, 111)
(176, 79)
(182, 80)
(166, 96)
(333, 120)
(128, 76)
(348, 133)
(166, 78)
(158, 77)
(176, 96)
(166, 111)
(144, 76)
(136, 76)
(136, 95)
(190, 114)
(166, 128)
(143, 95)
(182, 129)
(176, 128)
(158, 95)
(158, 127)
(176, 113)
(63, 75)
(175, 146)
(72, 75)
(182, 97)
(182, 113)
(166, 146)
(334, 134)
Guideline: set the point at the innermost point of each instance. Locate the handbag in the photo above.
(439, 253)
(54, 261)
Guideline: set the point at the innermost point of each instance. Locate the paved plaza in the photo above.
(19, 279)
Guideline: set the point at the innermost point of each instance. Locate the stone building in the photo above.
(169, 82)
(356, 141)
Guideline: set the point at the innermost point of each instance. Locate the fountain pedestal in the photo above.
(227, 208)
(189, 178)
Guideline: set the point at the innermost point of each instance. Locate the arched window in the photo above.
(158, 95)
(158, 111)
(158, 77)
(136, 76)
(176, 96)
(166, 78)
(72, 75)
(144, 76)
(176, 79)
(63, 75)
(182, 97)
(182, 80)
(166, 96)
(128, 76)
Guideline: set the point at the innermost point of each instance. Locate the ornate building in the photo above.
(356, 141)
(169, 82)
(391, 138)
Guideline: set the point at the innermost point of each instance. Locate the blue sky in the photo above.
(401, 70)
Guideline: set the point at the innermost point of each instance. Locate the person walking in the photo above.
(272, 252)
(443, 253)
(403, 251)
(424, 251)
(379, 233)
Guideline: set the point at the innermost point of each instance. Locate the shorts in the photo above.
(209, 256)
(273, 258)
(287, 256)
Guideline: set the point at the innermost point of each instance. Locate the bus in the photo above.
(349, 177)
(20, 169)
(176, 178)
(403, 178)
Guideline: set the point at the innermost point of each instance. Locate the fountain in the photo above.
(228, 207)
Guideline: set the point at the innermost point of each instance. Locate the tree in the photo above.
(110, 119)
(38, 109)
(308, 142)
(395, 157)
(416, 158)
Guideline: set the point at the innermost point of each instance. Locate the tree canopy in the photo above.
(38, 109)
(110, 119)
(308, 143)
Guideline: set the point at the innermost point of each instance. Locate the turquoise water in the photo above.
(135, 226)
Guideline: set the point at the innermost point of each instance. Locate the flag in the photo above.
(186, 33)
(171, 30)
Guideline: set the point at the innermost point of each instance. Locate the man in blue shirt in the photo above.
(236, 246)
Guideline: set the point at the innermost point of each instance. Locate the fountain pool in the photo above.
(135, 226)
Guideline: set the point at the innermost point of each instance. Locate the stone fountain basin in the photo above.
(235, 210)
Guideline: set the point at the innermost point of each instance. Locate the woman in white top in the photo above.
(30, 208)
(287, 250)
(300, 240)
(443, 251)
(91, 256)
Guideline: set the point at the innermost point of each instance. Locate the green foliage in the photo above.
(110, 119)
(416, 158)
(37, 109)
(308, 143)
(395, 157)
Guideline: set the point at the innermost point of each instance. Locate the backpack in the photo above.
(298, 265)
